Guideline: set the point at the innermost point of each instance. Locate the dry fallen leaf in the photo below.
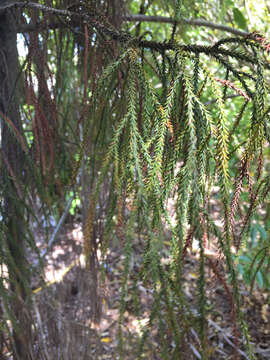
(106, 340)
(265, 312)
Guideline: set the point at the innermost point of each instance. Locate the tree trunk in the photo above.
(12, 156)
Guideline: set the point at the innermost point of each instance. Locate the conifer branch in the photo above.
(128, 18)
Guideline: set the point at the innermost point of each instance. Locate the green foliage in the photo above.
(239, 18)
(253, 264)
(150, 171)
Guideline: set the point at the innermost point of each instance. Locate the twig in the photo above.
(195, 351)
(39, 322)
(210, 102)
(58, 227)
(211, 322)
(194, 22)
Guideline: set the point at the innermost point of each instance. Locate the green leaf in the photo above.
(241, 269)
(259, 279)
(266, 282)
(262, 231)
(239, 18)
(253, 234)
(245, 258)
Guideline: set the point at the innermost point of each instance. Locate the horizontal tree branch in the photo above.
(194, 22)
(131, 18)
(80, 16)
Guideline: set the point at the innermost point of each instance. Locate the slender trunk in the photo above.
(12, 156)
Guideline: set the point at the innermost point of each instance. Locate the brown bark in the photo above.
(12, 184)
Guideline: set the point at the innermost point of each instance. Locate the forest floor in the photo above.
(64, 311)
